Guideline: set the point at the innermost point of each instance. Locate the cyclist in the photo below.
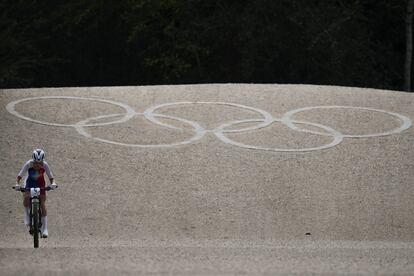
(35, 168)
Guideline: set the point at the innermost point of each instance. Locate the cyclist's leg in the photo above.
(43, 205)
(26, 204)
(26, 199)
(44, 216)
(41, 184)
(26, 195)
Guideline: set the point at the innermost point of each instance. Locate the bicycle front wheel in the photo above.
(35, 214)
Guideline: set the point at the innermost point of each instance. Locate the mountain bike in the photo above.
(35, 222)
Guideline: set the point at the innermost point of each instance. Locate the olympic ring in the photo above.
(406, 122)
(11, 108)
(336, 137)
(220, 131)
(267, 118)
(199, 132)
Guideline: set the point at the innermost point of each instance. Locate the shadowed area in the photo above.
(161, 190)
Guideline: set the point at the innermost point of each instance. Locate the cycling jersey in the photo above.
(35, 177)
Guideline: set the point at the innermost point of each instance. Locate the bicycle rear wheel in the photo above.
(35, 214)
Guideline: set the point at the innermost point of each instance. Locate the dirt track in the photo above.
(198, 205)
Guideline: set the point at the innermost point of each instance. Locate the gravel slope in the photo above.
(200, 205)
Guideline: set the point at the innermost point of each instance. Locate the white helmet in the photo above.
(38, 155)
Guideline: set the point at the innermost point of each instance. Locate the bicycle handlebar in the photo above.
(22, 189)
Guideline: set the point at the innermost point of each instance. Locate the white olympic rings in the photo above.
(220, 131)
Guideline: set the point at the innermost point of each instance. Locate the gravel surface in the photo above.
(177, 196)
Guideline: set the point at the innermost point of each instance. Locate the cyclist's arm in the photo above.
(48, 171)
(23, 171)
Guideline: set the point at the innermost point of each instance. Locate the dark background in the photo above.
(140, 42)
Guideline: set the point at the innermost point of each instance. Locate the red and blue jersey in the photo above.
(35, 177)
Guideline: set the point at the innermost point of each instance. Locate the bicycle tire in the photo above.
(35, 224)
